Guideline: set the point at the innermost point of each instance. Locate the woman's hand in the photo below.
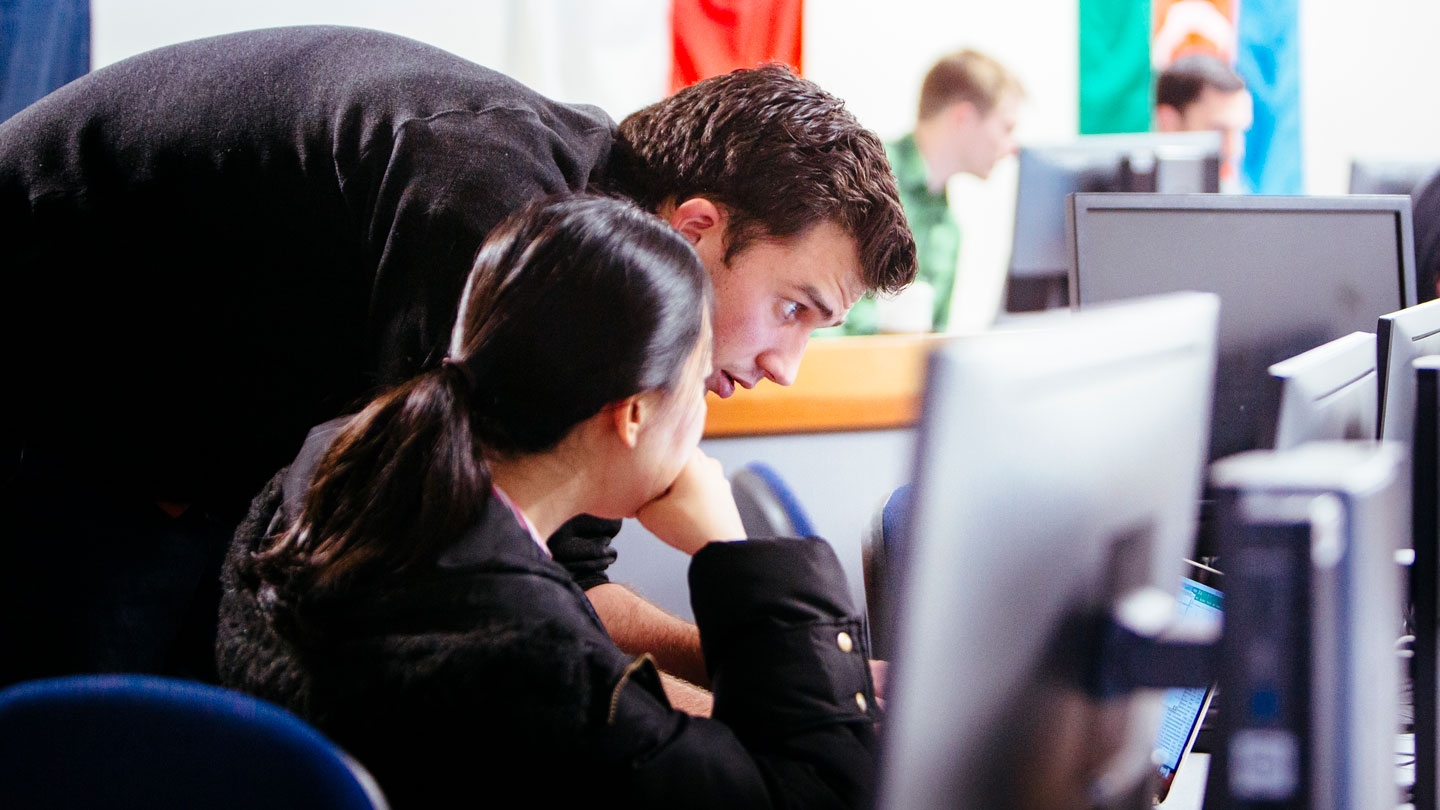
(697, 509)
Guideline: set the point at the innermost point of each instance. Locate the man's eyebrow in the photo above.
(817, 301)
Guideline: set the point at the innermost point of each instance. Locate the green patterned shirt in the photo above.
(937, 240)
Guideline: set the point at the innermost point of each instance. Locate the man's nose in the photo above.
(781, 363)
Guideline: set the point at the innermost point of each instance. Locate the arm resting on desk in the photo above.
(639, 626)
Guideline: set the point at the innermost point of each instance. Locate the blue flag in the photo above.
(1268, 58)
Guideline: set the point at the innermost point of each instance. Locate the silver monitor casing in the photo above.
(1310, 679)
(1328, 392)
(1057, 479)
(1402, 337)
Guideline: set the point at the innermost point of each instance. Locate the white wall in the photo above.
(612, 53)
(1368, 85)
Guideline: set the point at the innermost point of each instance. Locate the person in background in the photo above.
(394, 585)
(1201, 92)
(212, 247)
(969, 107)
(1426, 218)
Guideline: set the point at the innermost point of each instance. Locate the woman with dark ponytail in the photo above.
(393, 584)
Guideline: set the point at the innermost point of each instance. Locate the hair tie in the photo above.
(465, 373)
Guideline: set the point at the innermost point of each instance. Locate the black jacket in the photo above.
(490, 674)
(210, 247)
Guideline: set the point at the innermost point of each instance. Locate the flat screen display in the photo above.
(1292, 273)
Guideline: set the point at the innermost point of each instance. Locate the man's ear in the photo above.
(1168, 119)
(703, 224)
(964, 114)
(627, 416)
(698, 217)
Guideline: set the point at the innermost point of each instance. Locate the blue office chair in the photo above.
(880, 551)
(768, 507)
(141, 741)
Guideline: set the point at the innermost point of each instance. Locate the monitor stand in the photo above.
(1036, 293)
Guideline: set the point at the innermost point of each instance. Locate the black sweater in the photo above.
(208, 248)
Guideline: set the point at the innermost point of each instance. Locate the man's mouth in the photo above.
(722, 384)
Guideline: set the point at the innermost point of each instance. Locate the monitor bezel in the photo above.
(1236, 428)
(1381, 173)
(1396, 336)
(1344, 366)
(1082, 204)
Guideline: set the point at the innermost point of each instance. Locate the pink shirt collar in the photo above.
(524, 521)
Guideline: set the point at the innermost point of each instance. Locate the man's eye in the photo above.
(789, 310)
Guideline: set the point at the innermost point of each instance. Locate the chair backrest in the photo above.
(879, 556)
(141, 741)
(768, 507)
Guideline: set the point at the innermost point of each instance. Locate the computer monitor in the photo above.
(1425, 577)
(1401, 338)
(1186, 707)
(1310, 677)
(1328, 392)
(1292, 273)
(1057, 474)
(1389, 176)
(1166, 163)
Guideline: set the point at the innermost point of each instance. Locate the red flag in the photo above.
(712, 37)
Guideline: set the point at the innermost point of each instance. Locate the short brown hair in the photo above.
(780, 155)
(966, 75)
(1180, 84)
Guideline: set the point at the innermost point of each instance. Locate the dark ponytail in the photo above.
(572, 304)
(367, 509)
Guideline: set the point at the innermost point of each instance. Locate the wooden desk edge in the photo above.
(843, 384)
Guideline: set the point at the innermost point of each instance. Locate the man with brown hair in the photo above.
(1426, 218)
(213, 246)
(969, 106)
(1200, 92)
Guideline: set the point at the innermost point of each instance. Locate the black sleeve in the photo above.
(789, 665)
(794, 711)
(450, 180)
(783, 644)
(583, 547)
(789, 728)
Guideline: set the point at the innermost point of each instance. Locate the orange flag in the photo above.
(1184, 26)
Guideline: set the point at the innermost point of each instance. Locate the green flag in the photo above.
(1114, 66)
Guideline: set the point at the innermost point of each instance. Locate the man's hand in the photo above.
(879, 671)
(697, 509)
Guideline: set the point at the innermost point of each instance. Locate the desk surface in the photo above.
(843, 384)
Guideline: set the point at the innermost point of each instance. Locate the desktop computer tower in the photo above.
(1309, 674)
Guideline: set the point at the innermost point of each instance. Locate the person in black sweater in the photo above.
(394, 585)
(214, 246)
